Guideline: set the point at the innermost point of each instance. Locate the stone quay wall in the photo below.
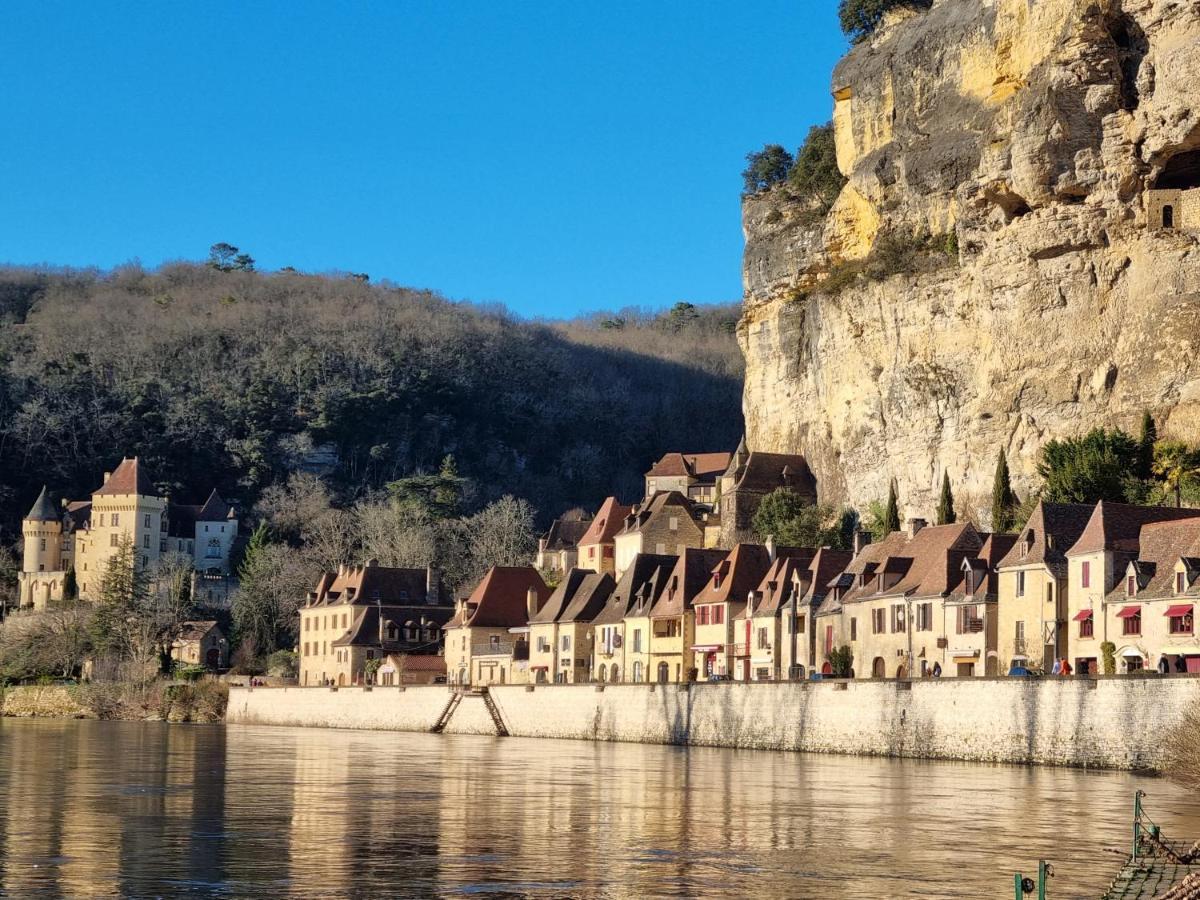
(1103, 722)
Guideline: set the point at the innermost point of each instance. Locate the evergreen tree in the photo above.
(945, 510)
(1145, 448)
(891, 515)
(765, 168)
(438, 497)
(121, 602)
(70, 586)
(1004, 501)
(1101, 465)
(1175, 463)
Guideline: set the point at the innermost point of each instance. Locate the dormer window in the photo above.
(1131, 585)
(1180, 582)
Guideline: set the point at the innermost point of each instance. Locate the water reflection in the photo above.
(145, 809)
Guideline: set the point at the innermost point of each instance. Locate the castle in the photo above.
(82, 535)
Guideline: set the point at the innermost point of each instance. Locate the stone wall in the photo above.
(1106, 722)
(49, 701)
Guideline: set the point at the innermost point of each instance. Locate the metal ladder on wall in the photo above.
(447, 711)
(501, 728)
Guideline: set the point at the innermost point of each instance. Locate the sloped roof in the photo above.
(1116, 526)
(647, 573)
(215, 509)
(371, 584)
(764, 472)
(565, 533)
(692, 570)
(181, 520)
(420, 662)
(995, 547)
(195, 631)
(703, 466)
(79, 513)
(43, 510)
(1051, 530)
(1161, 546)
(498, 601)
(590, 598)
(364, 628)
(735, 576)
(129, 477)
(561, 597)
(604, 527)
(928, 563)
(660, 503)
(777, 585)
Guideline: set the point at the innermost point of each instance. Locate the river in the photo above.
(136, 809)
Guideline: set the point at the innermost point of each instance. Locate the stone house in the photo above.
(973, 650)
(576, 656)
(556, 653)
(596, 549)
(487, 638)
(719, 648)
(201, 644)
(363, 613)
(896, 603)
(1032, 587)
(792, 593)
(83, 535)
(761, 621)
(621, 655)
(694, 475)
(1151, 612)
(411, 668)
(664, 524)
(750, 476)
(672, 619)
(1095, 563)
(1173, 203)
(558, 548)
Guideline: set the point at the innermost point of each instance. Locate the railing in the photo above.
(498, 648)
(741, 649)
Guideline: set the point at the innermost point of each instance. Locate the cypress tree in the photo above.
(1003, 500)
(891, 516)
(945, 510)
(1145, 448)
(70, 586)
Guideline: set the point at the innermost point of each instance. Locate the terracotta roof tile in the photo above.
(128, 478)
(1161, 545)
(1116, 526)
(928, 564)
(764, 472)
(646, 578)
(498, 601)
(735, 576)
(703, 466)
(604, 527)
(692, 571)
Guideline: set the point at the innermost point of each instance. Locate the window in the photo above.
(543, 645)
(370, 654)
(306, 648)
(924, 617)
(1020, 584)
(1019, 637)
(1132, 624)
(673, 523)
(1131, 585)
(968, 620)
(762, 639)
(43, 543)
(101, 520)
(897, 619)
(591, 552)
(1086, 629)
(718, 615)
(1183, 623)
(637, 640)
(702, 615)
(854, 629)
(1168, 216)
(800, 625)
(1180, 582)
(1085, 572)
(116, 519)
(113, 540)
(162, 546)
(146, 541)
(608, 552)
(660, 549)
(147, 520)
(566, 643)
(878, 621)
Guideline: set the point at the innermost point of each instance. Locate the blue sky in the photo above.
(556, 157)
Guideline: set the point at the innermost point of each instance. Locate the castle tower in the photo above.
(42, 572)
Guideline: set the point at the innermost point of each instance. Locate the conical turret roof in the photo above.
(43, 510)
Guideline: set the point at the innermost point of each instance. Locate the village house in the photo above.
(201, 644)
(718, 650)
(620, 655)
(1150, 614)
(487, 639)
(692, 474)
(750, 476)
(786, 603)
(596, 549)
(664, 524)
(558, 548)
(970, 614)
(1032, 587)
(1095, 563)
(575, 657)
(411, 668)
(672, 618)
(126, 510)
(895, 602)
(359, 615)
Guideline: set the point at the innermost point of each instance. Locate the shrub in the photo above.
(190, 673)
(860, 18)
(841, 661)
(1086, 469)
(283, 663)
(791, 520)
(1181, 750)
(766, 168)
(815, 176)
(1108, 655)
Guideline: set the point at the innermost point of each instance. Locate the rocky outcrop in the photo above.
(1008, 145)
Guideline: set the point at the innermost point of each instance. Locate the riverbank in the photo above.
(1114, 723)
(202, 701)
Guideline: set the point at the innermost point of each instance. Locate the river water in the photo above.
(136, 809)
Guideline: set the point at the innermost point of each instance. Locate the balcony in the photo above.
(515, 649)
(741, 650)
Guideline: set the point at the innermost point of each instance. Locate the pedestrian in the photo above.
(1163, 665)
(1056, 669)
(1180, 663)
(937, 670)
(1065, 668)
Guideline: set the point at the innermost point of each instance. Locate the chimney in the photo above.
(770, 543)
(531, 602)
(107, 475)
(915, 525)
(433, 586)
(372, 563)
(379, 615)
(542, 542)
(862, 537)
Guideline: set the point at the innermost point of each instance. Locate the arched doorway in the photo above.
(1168, 216)
(902, 671)
(637, 672)
(827, 669)
(342, 679)
(991, 666)
(603, 673)
(664, 672)
(462, 676)
(879, 668)
(616, 673)
(212, 658)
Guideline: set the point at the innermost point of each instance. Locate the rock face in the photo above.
(1018, 140)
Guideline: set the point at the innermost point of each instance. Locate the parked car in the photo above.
(1019, 669)
(716, 677)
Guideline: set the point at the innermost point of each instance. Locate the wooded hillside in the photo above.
(235, 379)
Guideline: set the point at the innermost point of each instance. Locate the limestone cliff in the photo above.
(1018, 139)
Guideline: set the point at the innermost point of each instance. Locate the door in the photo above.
(212, 658)
(879, 668)
(664, 673)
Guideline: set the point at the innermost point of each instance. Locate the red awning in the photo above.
(1182, 610)
(1083, 614)
(1128, 612)
(536, 668)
